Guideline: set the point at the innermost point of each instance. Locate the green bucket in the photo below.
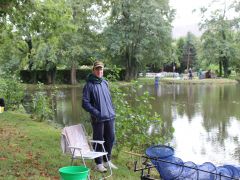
(74, 173)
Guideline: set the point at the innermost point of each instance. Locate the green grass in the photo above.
(201, 81)
(187, 81)
(31, 150)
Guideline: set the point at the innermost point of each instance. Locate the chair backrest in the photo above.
(76, 136)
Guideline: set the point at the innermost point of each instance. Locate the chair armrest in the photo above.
(74, 147)
(95, 141)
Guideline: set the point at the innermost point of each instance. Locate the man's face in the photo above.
(98, 71)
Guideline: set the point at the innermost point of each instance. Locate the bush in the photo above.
(114, 74)
(64, 76)
(12, 91)
(41, 106)
(133, 121)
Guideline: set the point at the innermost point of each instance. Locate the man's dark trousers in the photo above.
(104, 131)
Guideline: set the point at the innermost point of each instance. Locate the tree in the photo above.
(36, 29)
(174, 57)
(81, 46)
(179, 52)
(10, 47)
(186, 52)
(217, 40)
(235, 59)
(138, 33)
(189, 52)
(50, 24)
(7, 6)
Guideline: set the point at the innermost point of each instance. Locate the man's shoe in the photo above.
(100, 168)
(109, 163)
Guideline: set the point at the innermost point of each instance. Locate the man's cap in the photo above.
(98, 64)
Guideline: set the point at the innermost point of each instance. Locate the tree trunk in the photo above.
(33, 78)
(135, 72)
(225, 61)
(73, 74)
(131, 66)
(128, 66)
(49, 77)
(51, 72)
(188, 58)
(127, 76)
(30, 66)
(134, 69)
(130, 74)
(220, 68)
(225, 66)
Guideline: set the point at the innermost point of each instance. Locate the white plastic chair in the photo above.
(74, 141)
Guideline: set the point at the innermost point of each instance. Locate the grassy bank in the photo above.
(31, 150)
(146, 80)
(188, 81)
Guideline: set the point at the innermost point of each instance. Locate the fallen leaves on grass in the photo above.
(3, 158)
(28, 165)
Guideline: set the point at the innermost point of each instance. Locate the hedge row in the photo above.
(61, 76)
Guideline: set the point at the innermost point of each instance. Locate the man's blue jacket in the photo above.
(97, 99)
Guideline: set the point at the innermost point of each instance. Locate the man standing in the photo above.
(98, 102)
(190, 73)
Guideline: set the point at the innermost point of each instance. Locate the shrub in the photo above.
(12, 91)
(133, 122)
(41, 106)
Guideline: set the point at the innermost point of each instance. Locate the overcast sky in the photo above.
(185, 19)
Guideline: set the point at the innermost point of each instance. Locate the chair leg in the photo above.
(72, 157)
(109, 169)
(84, 162)
(85, 166)
(108, 163)
(89, 176)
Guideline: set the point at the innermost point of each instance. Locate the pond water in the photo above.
(206, 118)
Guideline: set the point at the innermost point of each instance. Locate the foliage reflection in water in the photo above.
(206, 118)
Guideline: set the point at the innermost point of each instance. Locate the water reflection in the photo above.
(69, 110)
(206, 118)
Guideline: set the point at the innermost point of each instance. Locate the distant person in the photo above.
(208, 74)
(190, 75)
(2, 105)
(200, 74)
(97, 101)
(157, 78)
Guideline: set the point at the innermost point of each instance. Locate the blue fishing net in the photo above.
(160, 151)
(173, 168)
(235, 172)
(189, 171)
(207, 169)
(224, 173)
(171, 171)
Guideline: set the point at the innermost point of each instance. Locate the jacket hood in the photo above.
(94, 79)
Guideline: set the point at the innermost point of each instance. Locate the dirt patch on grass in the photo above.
(19, 160)
(8, 132)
